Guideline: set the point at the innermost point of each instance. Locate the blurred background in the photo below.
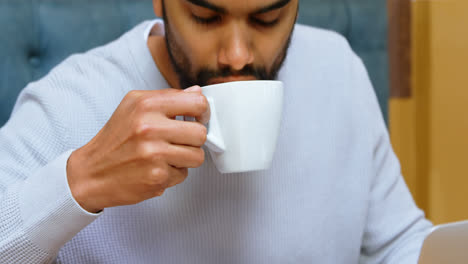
(416, 53)
(428, 117)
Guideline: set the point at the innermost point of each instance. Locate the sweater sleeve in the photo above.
(39, 214)
(395, 227)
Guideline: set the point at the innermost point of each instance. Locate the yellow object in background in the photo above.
(430, 130)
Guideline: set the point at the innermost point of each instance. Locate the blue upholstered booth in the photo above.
(35, 35)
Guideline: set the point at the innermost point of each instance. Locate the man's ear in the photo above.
(157, 7)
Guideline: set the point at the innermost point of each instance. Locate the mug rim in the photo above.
(243, 82)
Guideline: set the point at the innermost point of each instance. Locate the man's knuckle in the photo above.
(162, 175)
(157, 178)
(141, 128)
(132, 95)
(145, 104)
(145, 151)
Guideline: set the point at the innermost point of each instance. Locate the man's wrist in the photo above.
(49, 213)
(79, 191)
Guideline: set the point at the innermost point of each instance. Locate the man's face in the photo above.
(215, 41)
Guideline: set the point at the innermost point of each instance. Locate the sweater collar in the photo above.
(138, 48)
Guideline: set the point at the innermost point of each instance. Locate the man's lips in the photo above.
(232, 79)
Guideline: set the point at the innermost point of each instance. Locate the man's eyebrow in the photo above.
(279, 4)
(206, 4)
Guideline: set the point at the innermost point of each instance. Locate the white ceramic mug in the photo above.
(244, 125)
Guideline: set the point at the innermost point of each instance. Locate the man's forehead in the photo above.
(229, 6)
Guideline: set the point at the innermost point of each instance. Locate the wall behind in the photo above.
(430, 130)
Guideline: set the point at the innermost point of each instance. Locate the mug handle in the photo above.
(214, 139)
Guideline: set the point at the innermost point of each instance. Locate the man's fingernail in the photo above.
(195, 88)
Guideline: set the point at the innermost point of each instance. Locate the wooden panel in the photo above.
(399, 43)
(409, 117)
(430, 130)
(449, 118)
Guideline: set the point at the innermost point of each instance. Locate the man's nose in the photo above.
(236, 51)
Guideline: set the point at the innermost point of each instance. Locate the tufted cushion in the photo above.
(35, 35)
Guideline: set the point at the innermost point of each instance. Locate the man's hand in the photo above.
(141, 151)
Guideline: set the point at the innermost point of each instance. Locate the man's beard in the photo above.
(187, 77)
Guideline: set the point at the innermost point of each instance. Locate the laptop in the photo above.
(446, 243)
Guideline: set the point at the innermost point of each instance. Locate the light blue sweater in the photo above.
(334, 194)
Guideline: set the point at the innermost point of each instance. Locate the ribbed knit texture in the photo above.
(12, 236)
(334, 193)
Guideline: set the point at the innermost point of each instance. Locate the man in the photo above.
(94, 162)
